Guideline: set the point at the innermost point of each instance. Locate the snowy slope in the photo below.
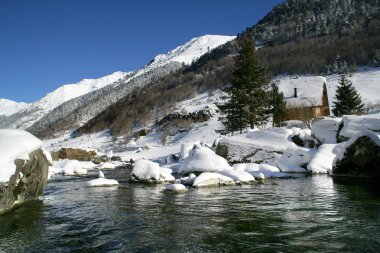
(310, 88)
(9, 107)
(365, 80)
(192, 50)
(182, 54)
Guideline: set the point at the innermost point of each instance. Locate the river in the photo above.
(306, 214)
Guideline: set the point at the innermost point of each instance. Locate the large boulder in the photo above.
(24, 168)
(74, 154)
(361, 156)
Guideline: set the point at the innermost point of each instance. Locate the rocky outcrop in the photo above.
(361, 158)
(74, 154)
(234, 153)
(27, 183)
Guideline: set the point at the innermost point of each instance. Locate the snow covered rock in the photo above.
(23, 168)
(212, 179)
(353, 125)
(186, 148)
(326, 129)
(70, 167)
(360, 156)
(102, 182)
(203, 159)
(177, 188)
(323, 160)
(256, 170)
(150, 172)
(256, 146)
(240, 177)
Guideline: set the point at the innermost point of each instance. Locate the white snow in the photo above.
(9, 107)
(192, 50)
(186, 148)
(212, 179)
(102, 182)
(257, 169)
(70, 167)
(366, 81)
(352, 124)
(326, 129)
(203, 159)
(240, 177)
(107, 165)
(144, 170)
(15, 144)
(176, 188)
(323, 160)
(272, 139)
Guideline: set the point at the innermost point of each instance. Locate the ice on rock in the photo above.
(203, 159)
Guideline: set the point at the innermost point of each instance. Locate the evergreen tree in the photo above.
(347, 100)
(233, 116)
(248, 103)
(278, 105)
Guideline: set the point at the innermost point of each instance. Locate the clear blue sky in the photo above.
(47, 43)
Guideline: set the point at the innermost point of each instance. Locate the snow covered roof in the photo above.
(309, 90)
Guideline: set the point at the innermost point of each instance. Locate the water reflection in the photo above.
(290, 215)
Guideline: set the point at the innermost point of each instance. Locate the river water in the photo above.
(307, 214)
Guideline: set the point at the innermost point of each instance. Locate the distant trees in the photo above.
(247, 101)
(347, 100)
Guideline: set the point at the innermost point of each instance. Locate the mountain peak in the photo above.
(191, 50)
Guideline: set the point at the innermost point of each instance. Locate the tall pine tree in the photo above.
(347, 100)
(278, 105)
(248, 103)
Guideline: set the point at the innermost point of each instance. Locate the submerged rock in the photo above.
(27, 183)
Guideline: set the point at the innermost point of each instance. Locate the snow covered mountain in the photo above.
(81, 101)
(9, 107)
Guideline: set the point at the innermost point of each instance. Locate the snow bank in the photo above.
(15, 144)
(326, 129)
(323, 160)
(71, 167)
(256, 169)
(147, 171)
(353, 125)
(293, 159)
(186, 148)
(240, 177)
(272, 139)
(212, 179)
(203, 159)
(176, 188)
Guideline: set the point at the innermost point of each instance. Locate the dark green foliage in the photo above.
(247, 103)
(347, 100)
(278, 105)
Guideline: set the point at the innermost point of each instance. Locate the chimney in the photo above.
(295, 92)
